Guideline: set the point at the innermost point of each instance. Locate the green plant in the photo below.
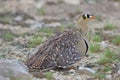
(94, 48)
(5, 19)
(40, 37)
(97, 38)
(49, 75)
(2, 56)
(116, 40)
(109, 26)
(108, 57)
(106, 61)
(41, 11)
(99, 75)
(8, 36)
(62, 28)
(35, 40)
(46, 31)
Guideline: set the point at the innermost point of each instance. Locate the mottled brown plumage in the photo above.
(63, 50)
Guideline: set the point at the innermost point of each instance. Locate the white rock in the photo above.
(18, 18)
(14, 69)
(73, 2)
(78, 78)
(108, 77)
(87, 71)
(118, 72)
(91, 1)
(53, 24)
(104, 44)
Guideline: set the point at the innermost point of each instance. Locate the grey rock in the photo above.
(4, 78)
(14, 69)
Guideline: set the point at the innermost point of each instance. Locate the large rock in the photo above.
(4, 78)
(13, 70)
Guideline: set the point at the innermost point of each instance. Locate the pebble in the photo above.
(78, 78)
(118, 72)
(104, 44)
(54, 24)
(108, 77)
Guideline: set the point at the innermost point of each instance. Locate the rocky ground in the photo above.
(24, 25)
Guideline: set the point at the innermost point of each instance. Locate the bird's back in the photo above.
(63, 50)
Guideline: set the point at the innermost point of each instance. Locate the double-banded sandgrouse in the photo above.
(63, 50)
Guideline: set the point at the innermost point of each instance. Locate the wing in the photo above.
(71, 49)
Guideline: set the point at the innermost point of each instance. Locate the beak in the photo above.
(92, 17)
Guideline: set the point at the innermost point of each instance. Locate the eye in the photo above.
(84, 16)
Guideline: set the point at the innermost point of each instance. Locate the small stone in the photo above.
(118, 72)
(108, 77)
(18, 18)
(88, 71)
(73, 2)
(103, 44)
(72, 71)
(78, 78)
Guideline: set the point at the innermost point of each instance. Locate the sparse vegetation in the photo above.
(97, 38)
(2, 56)
(8, 36)
(106, 61)
(62, 28)
(109, 26)
(116, 40)
(46, 32)
(40, 11)
(94, 48)
(39, 38)
(35, 40)
(5, 19)
(109, 56)
(99, 75)
(49, 75)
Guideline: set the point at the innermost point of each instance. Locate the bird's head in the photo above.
(83, 20)
(87, 17)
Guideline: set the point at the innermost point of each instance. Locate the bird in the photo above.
(63, 50)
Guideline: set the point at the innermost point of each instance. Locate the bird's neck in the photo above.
(82, 28)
